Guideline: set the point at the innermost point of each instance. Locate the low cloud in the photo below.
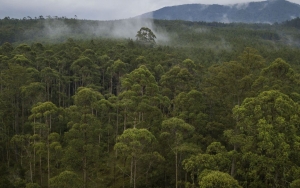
(94, 9)
(58, 30)
(225, 19)
(241, 6)
(127, 29)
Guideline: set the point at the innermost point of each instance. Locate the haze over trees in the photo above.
(247, 12)
(214, 105)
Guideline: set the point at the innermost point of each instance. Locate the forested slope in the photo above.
(208, 105)
(269, 11)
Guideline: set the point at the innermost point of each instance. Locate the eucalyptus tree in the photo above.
(227, 85)
(49, 77)
(21, 60)
(25, 50)
(66, 179)
(136, 144)
(49, 59)
(174, 132)
(90, 54)
(279, 75)
(63, 79)
(107, 111)
(116, 70)
(25, 144)
(43, 114)
(190, 106)
(295, 183)
(176, 80)
(38, 48)
(268, 139)
(83, 136)
(145, 36)
(211, 179)
(6, 49)
(231, 81)
(215, 158)
(140, 98)
(13, 79)
(104, 63)
(84, 71)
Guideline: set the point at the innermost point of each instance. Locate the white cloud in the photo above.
(225, 19)
(95, 9)
(241, 6)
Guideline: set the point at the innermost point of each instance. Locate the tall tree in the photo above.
(145, 36)
(211, 179)
(45, 112)
(84, 71)
(175, 130)
(268, 135)
(135, 143)
(279, 75)
(140, 98)
(66, 179)
(83, 136)
(215, 158)
(176, 80)
(227, 85)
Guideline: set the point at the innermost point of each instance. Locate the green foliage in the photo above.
(32, 185)
(145, 36)
(98, 111)
(133, 141)
(66, 179)
(278, 76)
(211, 179)
(295, 183)
(267, 134)
(137, 144)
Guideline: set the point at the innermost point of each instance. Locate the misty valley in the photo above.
(149, 103)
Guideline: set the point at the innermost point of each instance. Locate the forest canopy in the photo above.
(204, 105)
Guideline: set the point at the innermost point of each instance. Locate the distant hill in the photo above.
(270, 11)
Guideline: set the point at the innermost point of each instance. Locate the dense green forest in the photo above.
(83, 104)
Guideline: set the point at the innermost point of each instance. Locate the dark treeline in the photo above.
(215, 105)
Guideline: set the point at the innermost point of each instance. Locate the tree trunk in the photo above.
(134, 177)
(108, 134)
(48, 160)
(111, 84)
(84, 172)
(34, 152)
(31, 174)
(117, 124)
(131, 171)
(41, 179)
(103, 83)
(48, 92)
(124, 173)
(232, 173)
(23, 117)
(125, 119)
(176, 170)
(85, 162)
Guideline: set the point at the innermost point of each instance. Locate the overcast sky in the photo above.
(95, 9)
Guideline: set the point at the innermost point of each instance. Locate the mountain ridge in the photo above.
(270, 11)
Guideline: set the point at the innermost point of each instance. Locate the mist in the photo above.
(241, 6)
(58, 30)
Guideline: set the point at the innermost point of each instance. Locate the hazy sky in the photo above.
(95, 9)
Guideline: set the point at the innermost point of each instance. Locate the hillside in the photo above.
(83, 104)
(270, 11)
(174, 33)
